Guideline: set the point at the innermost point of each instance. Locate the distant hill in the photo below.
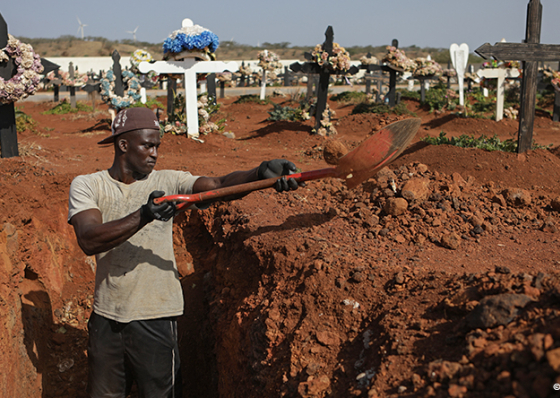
(71, 46)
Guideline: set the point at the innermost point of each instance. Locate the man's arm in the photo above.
(95, 237)
(268, 169)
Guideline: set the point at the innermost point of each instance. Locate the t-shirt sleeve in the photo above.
(185, 186)
(81, 198)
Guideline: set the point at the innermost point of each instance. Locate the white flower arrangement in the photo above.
(398, 59)
(268, 60)
(26, 80)
(205, 126)
(365, 60)
(79, 79)
(327, 128)
(426, 67)
(511, 113)
(338, 62)
(552, 76)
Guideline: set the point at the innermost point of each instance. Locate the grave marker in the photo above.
(392, 93)
(188, 67)
(324, 75)
(459, 59)
(71, 88)
(530, 52)
(556, 112)
(211, 79)
(501, 74)
(8, 131)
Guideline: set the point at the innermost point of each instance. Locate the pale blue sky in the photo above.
(425, 23)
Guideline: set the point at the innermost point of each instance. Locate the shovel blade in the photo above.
(377, 151)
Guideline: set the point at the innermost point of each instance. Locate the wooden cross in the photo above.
(72, 89)
(501, 74)
(324, 75)
(117, 72)
(8, 131)
(392, 93)
(369, 77)
(530, 52)
(189, 67)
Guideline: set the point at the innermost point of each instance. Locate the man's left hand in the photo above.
(279, 168)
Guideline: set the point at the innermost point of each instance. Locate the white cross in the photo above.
(459, 59)
(189, 67)
(263, 83)
(500, 74)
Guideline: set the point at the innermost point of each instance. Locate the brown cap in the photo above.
(131, 119)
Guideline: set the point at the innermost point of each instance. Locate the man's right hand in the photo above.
(162, 212)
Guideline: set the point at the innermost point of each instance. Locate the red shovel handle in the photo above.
(184, 200)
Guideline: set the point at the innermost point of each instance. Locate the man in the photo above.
(132, 329)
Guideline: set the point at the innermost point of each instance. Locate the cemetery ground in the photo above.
(436, 277)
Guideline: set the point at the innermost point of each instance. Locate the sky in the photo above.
(424, 23)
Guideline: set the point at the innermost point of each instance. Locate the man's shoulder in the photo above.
(99, 175)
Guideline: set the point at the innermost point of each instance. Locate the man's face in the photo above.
(142, 150)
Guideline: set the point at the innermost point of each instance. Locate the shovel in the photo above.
(355, 167)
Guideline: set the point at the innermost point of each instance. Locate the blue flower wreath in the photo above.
(183, 42)
(131, 93)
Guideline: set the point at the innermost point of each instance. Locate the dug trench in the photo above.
(436, 277)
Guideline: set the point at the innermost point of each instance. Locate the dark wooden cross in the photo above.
(8, 131)
(211, 87)
(530, 52)
(117, 71)
(72, 88)
(556, 114)
(171, 93)
(92, 87)
(324, 75)
(393, 71)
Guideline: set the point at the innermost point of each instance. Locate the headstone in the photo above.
(8, 132)
(188, 67)
(531, 52)
(211, 80)
(117, 71)
(501, 74)
(72, 89)
(263, 81)
(92, 88)
(459, 59)
(171, 93)
(556, 111)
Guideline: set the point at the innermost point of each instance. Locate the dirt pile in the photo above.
(341, 302)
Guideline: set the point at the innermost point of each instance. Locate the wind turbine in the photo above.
(81, 27)
(133, 33)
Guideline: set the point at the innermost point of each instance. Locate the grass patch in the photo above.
(253, 99)
(482, 142)
(24, 121)
(280, 112)
(353, 97)
(379, 107)
(64, 107)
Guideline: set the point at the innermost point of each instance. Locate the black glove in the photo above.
(276, 168)
(162, 212)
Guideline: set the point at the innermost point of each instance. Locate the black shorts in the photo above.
(143, 351)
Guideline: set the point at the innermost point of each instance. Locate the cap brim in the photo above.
(107, 140)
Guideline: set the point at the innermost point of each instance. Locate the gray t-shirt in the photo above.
(138, 279)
